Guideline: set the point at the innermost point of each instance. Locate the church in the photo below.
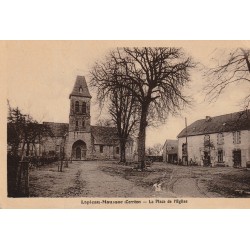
(78, 139)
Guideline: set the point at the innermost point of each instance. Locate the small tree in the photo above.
(124, 113)
(155, 150)
(122, 105)
(23, 132)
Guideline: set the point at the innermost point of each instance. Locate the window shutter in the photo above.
(222, 138)
(233, 137)
(239, 137)
(218, 138)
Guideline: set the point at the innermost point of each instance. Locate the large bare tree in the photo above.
(154, 76)
(229, 67)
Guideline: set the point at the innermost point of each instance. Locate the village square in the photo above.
(136, 89)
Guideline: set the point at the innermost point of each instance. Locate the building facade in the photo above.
(78, 139)
(170, 151)
(217, 141)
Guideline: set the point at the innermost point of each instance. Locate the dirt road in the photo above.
(83, 179)
(109, 179)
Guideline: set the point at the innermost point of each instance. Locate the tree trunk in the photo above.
(123, 150)
(22, 151)
(28, 149)
(142, 137)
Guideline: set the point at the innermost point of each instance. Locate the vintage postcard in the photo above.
(125, 124)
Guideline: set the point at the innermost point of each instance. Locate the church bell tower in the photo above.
(79, 140)
(79, 116)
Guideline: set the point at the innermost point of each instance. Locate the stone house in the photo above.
(217, 141)
(170, 151)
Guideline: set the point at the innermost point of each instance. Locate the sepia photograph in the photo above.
(142, 123)
(124, 124)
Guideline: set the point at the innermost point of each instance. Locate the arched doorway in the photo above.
(79, 150)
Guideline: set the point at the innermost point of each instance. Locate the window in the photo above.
(84, 108)
(184, 149)
(220, 138)
(76, 125)
(117, 150)
(236, 137)
(80, 90)
(101, 148)
(220, 155)
(83, 124)
(77, 107)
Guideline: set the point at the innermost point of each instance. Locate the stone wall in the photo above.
(109, 152)
(79, 116)
(51, 144)
(83, 136)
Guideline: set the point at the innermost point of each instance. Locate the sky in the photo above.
(40, 76)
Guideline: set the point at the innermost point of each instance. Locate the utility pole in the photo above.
(186, 140)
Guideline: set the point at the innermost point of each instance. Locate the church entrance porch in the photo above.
(79, 150)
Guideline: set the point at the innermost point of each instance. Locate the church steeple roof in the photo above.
(80, 88)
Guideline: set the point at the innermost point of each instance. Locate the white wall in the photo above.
(196, 143)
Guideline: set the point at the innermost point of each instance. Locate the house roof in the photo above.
(171, 142)
(218, 124)
(104, 135)
(80, 83)
(171, 146)
(57, 129)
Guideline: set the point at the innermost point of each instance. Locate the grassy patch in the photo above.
(227, 183)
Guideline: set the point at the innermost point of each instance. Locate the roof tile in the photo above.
(80, 83)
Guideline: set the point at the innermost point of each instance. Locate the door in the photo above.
(207, 159)
(237, 158)
(78, 153)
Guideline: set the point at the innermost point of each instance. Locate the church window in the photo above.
(83, 124)
(80, 90)
(77, 106)
(76, 125)
(101, 148)
(84, 108)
